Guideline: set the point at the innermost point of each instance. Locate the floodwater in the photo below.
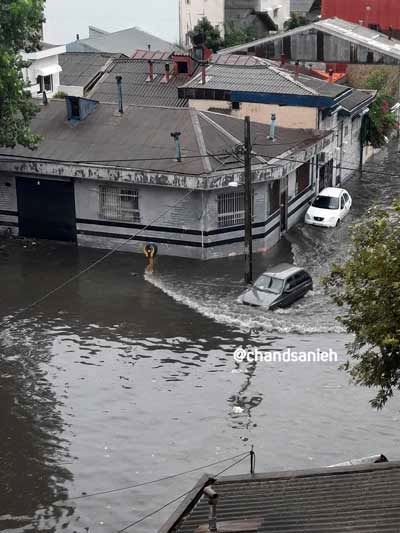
(123, 377)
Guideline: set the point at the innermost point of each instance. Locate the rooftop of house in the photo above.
(141, 139)
(336, 27)
(362, 499)
(136, 87)
(82, 68)
(270, 80)
(123, 41)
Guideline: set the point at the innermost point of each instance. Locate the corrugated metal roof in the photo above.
(123, 41)
(348, 31)
(363, 499)
(79, 68)
(261, 79)
(236, 59)
(356, 99)
(145, 133)
(136, 90)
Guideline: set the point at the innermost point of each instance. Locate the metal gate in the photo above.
(46, 209)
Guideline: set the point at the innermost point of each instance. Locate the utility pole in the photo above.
(248, 204)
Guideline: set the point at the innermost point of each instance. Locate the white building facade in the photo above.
(43, 73)
(191, 11)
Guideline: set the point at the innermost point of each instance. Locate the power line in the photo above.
(172, 476)
(95, 263)
(140, 520)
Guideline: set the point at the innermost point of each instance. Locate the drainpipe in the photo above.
(120, 100)
(212, 502)
(177, 137)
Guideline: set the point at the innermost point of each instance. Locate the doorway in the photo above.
(46, 209)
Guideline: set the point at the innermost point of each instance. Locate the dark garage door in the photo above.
(46, 209)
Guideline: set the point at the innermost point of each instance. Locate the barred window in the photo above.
(230, 209)
(119, 204)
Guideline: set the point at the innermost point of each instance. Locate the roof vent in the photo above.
(79, 108)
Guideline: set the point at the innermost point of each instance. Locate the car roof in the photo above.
(334, 192)
(282, 271)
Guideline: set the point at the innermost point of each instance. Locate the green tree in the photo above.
(20, 29)
(380, 122)
(211, 34)
(367, 288)
(294, 22)
(236, 34)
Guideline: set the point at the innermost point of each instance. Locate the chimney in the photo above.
(330, 72)
(177, 137)
(203, 73)
(390, 34)
(166, 77)
(297, 70)
(77, 36)
(150, 77)
(120, 100)
(283, 59)
(212, 502)
(272, 127)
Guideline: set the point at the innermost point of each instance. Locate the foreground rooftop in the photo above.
(362, 499)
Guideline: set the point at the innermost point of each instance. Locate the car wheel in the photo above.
(337, 223)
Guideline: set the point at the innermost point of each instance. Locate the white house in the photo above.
(43, 73)
(191, 11)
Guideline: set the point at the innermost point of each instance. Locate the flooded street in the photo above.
(123, 377)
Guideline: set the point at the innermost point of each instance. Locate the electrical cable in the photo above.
(95, 263)
(140, 520)
(172, 476)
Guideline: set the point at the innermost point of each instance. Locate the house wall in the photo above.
(30, 74)
(177, 232)
(8, 205)
(191, 12)
(286, 116)
(71, 90)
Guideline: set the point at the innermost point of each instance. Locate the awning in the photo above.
(47, 71)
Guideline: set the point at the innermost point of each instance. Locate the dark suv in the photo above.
(279, 286)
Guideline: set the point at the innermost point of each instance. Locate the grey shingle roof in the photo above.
(136, 90)
(144, 133)
(79, 68)
(260, 79)
(363, 499)
(124, 42)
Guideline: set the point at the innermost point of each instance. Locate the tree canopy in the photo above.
(367, 287)
(380, 121)
(20, 29)
(294, 22)
(211, 35)
(236, 34)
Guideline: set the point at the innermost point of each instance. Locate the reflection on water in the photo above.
(123, 377)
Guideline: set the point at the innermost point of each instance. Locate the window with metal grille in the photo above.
(302, 177)
(119, 204)
(230, 209)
